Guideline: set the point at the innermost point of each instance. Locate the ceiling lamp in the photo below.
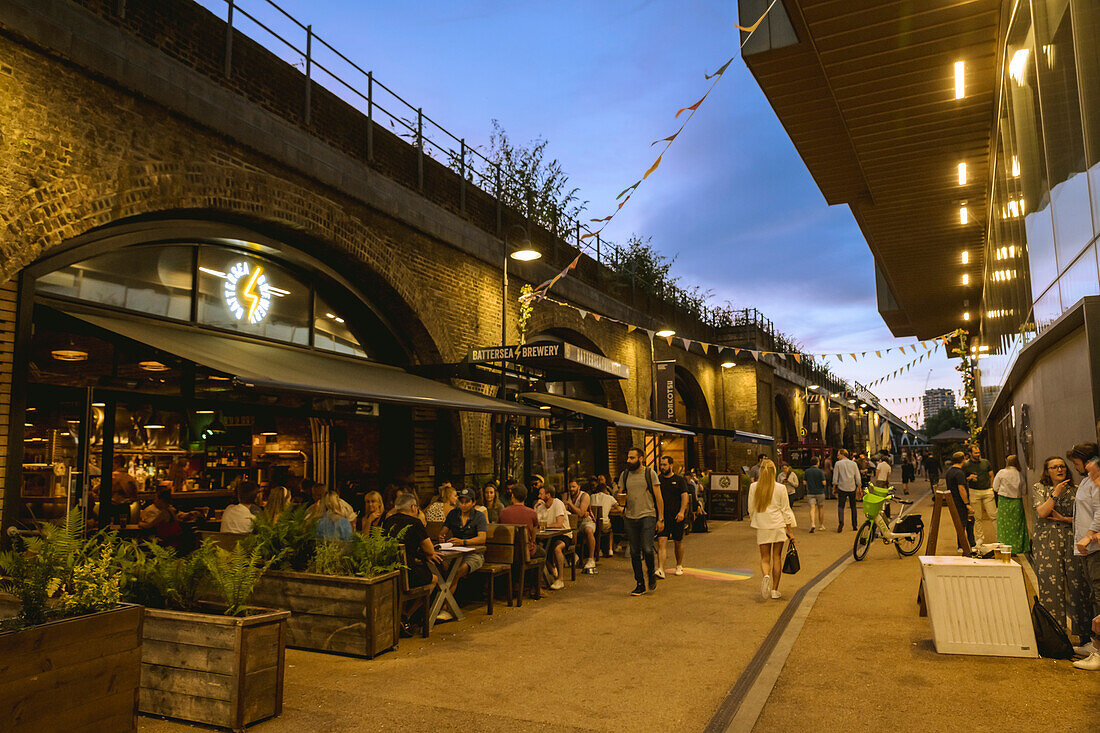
(966, 257)
(266, 426)
(665, 333)
(69, 354)
(204, 412)
(960, 80)
(544, 407)
(834, 395)
(152, 366)
(728, 365)
(964, 218)
(814, 386)
(966, 315)
(966, 279)
(962, 174)
(851, 402)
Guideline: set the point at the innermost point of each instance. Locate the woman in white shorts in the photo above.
(772, 518)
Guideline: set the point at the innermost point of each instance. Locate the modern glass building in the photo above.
(965, 138)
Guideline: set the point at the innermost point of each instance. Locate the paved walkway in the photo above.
(593, 658)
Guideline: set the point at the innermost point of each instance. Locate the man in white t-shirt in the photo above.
(237, 518)
(609, 505)
(553, 515)
(882, 471)
(846, 485)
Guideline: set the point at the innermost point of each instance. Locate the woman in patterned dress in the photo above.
(1011, 525)
(1063, 589)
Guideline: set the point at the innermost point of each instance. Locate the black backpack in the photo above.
(1050, 637)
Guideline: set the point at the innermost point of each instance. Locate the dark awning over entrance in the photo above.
(619, 419)
(739, 436)
(299, 370)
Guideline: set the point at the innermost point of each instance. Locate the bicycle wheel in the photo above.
(864, 537)
(908, 546)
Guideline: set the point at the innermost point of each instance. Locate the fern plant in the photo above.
(234, 574)
(61, 573)
(288, 540)
(155, 576)
(374, 553)
(330, 557)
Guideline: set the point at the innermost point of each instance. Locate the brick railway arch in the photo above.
(50, 219)
(699, 451)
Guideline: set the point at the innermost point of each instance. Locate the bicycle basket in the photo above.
(872, 505)
(909, 524)
(878, 490)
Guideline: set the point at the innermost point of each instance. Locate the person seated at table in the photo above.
(372, 511)
(167, 522)
(124, 490)
(579, 504)
(441, 504)
(320, 491)
(535, 486)
(553, 515)
(465, 527)
(408, 491)
(237, 518)
(490, 504)
(601, 497)
(519, 513)
(419, 550)
(333, 524)
(278, 500)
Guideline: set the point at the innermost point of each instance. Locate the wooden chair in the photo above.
(574, 523)
(597, 512)
(500, 548)
(524, 563)
(420, 592)
(434, 529)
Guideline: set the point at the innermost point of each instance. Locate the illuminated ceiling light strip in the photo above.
(960, 80)
(966, 257)
(966, 279)
(962, 174)
(964, 217)
(215, 273)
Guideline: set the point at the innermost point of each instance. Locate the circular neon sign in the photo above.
(247, 292)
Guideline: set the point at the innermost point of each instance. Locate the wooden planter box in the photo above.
(73, 674)
(208, 668)
(335, 613)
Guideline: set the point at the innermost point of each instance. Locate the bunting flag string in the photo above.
(629, 191)
(709, 348)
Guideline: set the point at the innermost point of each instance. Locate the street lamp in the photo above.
(526, 252)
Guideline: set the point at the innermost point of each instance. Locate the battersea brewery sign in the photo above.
(512, 353)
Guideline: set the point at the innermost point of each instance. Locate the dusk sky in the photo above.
(732, 201)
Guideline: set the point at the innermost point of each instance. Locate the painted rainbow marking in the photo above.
(720, 573)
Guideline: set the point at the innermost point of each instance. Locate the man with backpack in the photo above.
(640, 494)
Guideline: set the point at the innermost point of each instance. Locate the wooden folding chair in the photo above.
(500, 549)
(413, 593)
(524, 563)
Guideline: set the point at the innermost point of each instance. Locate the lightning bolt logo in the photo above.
(251, 294)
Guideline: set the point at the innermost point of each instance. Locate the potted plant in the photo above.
(216, 663)
(344, 597)
(71, 634)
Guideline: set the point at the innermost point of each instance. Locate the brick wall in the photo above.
(8, 292)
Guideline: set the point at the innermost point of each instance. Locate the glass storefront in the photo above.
(1041, 248)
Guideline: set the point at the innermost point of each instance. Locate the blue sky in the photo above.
(601, 80)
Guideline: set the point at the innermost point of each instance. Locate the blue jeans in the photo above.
(639, 533)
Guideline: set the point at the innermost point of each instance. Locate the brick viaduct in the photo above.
(107, 120)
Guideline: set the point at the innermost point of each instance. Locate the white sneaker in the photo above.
(766, 587)
(660, 573)
(445, 615)
(557, 584)
(776, 594)
(550, 577)
(589, 564)
(1091, 663)
(1085, 649)
(679, 570)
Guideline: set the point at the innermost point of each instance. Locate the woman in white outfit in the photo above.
(772, 518)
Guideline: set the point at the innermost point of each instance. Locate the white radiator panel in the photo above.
(978, 607)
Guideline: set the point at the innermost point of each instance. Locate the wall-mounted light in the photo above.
(69, 354)
(665, 333)
(728, 365)
(152, 366)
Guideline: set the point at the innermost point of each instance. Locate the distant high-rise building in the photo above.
(937, 399)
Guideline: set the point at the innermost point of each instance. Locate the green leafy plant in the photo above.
(155, 576)
(289, 539)
(330, 558)
(374, 553)
(61, 573)
(234, 574)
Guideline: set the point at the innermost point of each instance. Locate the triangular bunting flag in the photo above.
(584, 313)
(839, 357)
(669, 340)
(722, 70)
(853, 356)
(797, 357)
(878, 354)
(629, 188)
(687, 344)
(692, 107)
(596, 316)
(668, 139)
(653, 167)
(631, 329)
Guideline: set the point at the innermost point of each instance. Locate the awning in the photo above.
(740, 436)
(285, 368)
(614, 417)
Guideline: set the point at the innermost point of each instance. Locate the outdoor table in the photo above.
(444, 578)
(546, 534)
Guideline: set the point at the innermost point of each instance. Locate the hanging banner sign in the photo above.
(666, 391)
(511, 353)
(550, 354)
